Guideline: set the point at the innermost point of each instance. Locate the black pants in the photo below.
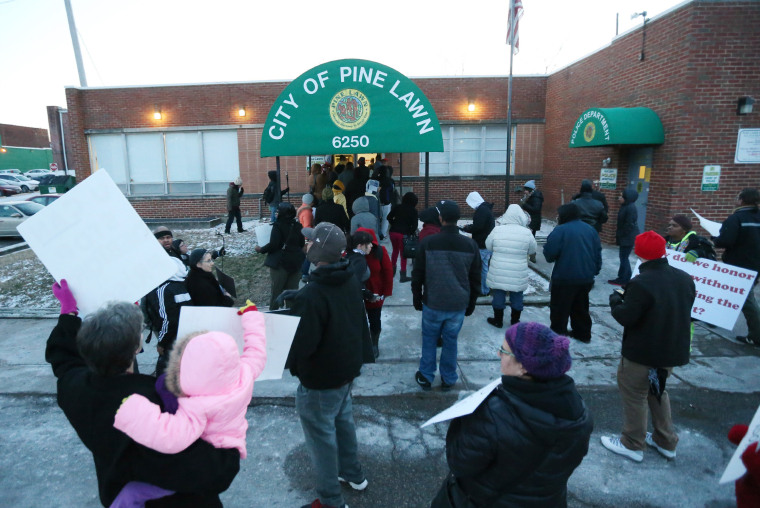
(234, 214)
(373, 315)
(570, 300)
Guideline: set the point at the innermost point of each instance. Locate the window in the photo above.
(174, 163)
(470, 150)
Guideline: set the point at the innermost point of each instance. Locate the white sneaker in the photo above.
(614, 445)
(665, 453)
(356, 486)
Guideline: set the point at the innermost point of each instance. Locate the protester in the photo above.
(379, 286)
(94, 363)
(202, 286)
(234, 193)
(284, 252)
(431, 223)
(361, 245)
(655, 312)
(179, 250)
(532, 201)
(592, 211)
(362, 217)
(385, 195)
(522, 443)
(445, 286)
(356, 187)
(331, 343)
(372, 187)
(271, 196)
(482, 225)
(682, 238)
(740, 236)
(747, 487)
(511, 243)
(329, 211)
(306, 219)
(210, 386)
(403, 221)
(574, 248)
(625, 233)
(347, 174)
(165, 238)
(317, 181)
(338, 197)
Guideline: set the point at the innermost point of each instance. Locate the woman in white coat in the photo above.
(511, 243)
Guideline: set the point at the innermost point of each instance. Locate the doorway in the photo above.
(639, 174)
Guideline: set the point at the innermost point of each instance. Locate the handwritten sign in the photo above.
(735, 468)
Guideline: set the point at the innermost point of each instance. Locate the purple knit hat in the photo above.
(543, 353)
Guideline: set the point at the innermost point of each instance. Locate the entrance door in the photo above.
(639, 172)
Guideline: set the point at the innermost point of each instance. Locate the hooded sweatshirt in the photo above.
(363, 218)
(482, 220)
(380, 280)
(627, 219)
(511, 242)
(214, 384)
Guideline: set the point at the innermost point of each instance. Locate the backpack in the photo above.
(268, 194)
(705, 248)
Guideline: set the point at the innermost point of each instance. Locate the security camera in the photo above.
(606, 162)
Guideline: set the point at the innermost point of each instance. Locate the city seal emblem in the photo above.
(589, 132)
(349, 109)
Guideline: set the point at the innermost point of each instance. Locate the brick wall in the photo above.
(27, 137)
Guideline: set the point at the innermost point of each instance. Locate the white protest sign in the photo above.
(735, 468)
(721, 288)
(710, 226)
(465, 406)
(280, 331)
(92, 237)
(263, 233)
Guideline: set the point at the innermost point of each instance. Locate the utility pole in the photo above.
(75, 43)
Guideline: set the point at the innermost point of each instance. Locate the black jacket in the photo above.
(521, 445)
(627, 219)
(482, 224)
(403, 219)
(448, 266)
(656, 315)
(90, 402)
(205, 290)
(533, 206)
(592, 211)
(163, 306)
(285, 247)
(740, 236)
(332, 340)
(329, 211)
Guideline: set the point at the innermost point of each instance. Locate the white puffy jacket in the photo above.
(511, 242)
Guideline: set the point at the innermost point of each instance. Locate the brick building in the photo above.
(691, 67)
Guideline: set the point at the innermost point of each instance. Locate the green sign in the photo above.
(710, 178)
(608, 178)
(617, 126)
(351, 106)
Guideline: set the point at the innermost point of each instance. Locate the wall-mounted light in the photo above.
(744, 105)
(3, 150)
(241, 111)
(157, 112)
(471, 106)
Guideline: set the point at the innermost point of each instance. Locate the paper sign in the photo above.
(280, 331)
(465, 406)
(721, 288)
(92, 237)
(735, 468)
(263, 233)
(710, 226)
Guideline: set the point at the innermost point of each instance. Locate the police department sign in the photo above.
(351, 106)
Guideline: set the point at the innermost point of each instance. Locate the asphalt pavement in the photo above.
(43, 463)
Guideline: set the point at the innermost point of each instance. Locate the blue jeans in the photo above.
(500, 299)
(485, 257)
(446, 325)
(624, 272)
(273, 210)
(328, 425)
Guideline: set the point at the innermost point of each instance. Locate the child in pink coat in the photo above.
(213, 384)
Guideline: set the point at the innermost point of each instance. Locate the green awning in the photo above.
(351, 106)
(617, 126)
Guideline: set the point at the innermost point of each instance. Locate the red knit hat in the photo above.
(649, 245)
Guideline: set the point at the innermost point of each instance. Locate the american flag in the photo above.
(516, 13)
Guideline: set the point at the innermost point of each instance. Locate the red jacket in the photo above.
(380, 279)
(429, 229)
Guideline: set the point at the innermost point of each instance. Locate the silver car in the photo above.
(14, 213)
(26, 184)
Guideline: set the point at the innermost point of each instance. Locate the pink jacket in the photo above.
(216, 384)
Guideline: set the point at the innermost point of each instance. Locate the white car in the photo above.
(32, 173)
(15, 171)
(26, 184)
(13, 213)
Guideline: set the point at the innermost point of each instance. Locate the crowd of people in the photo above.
(518, 448)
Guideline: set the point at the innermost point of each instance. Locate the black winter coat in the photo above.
(740, 236)
(656, 315)
(332, 340)
(286, 232)
(592, 211)
(482, 224)
(521, 445)
(403, 219)
(329, 211)
(533, 206)
(163, 306)
(90, 402)
(205, 290)
(627, 220)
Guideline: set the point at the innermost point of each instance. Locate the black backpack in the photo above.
(705, 248)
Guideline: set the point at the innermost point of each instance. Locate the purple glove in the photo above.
(168, 398)
(63, 294)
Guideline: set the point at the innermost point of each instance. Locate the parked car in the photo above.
(44, 199)
(34, 173)
(14, 171)
(14, 213)
(26, 184)
(8, 189)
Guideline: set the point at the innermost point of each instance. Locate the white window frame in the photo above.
(444, 164)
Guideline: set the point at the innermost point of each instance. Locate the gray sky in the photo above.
(142, 42)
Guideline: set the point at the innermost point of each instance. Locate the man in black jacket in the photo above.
(625, 233)
(447, 266)
(592, 204)
(482, 225)
(234, 193)
(655, 312)
(331, 344)
(94, 365)
(532, 202)
(740, 236)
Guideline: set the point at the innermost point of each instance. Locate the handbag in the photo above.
(411, 243)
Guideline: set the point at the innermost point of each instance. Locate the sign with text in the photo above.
(736, 468)
(608, 178)
(748, 147)
(710, 178)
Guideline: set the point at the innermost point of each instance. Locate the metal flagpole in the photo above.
(507, 180)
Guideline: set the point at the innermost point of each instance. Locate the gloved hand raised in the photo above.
(63, 294)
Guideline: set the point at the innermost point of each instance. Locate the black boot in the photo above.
(498, 318)
(516, 316)
(375, 334)
(403, 277)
